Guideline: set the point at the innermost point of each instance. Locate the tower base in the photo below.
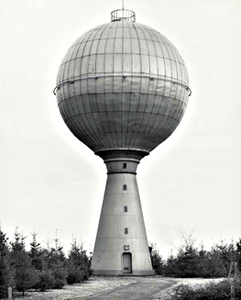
(120, 273)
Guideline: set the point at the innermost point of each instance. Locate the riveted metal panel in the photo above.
(136, 63)
(134, 99)
(109, 46)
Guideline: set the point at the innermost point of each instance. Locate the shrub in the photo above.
(46, 281)
(212, 291)
(75, 275)
(60, 274)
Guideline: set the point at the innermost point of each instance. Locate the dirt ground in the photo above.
(142, 289)
(115, 288)
(126, 288)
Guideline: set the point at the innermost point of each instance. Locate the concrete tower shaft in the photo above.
(121, 245)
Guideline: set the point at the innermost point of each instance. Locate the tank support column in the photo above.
(121, 245)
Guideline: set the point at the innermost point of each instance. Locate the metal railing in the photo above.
(123, 14)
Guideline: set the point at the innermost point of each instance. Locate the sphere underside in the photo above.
(122, 85)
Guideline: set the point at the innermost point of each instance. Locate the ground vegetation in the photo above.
(40, 268)
(192, 261)
(214, 290)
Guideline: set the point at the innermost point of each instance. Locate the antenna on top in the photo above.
(123, 4)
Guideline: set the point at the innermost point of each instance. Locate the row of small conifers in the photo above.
(48, 267)
(222, 261)
(39, 268)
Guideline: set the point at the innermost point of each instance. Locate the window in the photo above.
(124, 187)
(124, 165)
(126, 230)
(125, 209)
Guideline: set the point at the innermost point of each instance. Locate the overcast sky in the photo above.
(49, 180)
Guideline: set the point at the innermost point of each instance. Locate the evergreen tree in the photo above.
(226, 253)
(79, 264)
(39, 262)
(36, 253)
(25, 274)
(215, 265)
(221, 256)
(187, 258)
(56, 262)
(238, 252)
(170, 267)
(60, 274)
(187, 262)
(6, 271)
(203, 259)
(156, 260)
(46, 280)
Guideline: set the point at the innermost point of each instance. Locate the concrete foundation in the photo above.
(121, 245)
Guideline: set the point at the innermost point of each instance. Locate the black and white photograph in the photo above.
(120, 155)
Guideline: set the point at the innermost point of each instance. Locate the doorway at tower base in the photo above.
(122, 263)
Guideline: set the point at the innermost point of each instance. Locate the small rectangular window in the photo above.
(124, 165)
(126, 230)
(124, 187)
(125, 209)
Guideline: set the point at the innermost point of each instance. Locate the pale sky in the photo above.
(49, 180)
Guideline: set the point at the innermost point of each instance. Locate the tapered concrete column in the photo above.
(121, 245)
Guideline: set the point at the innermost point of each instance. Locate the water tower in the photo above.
(122, 89)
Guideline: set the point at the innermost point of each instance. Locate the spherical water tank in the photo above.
(122, 85)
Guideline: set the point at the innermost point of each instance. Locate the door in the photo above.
(127, 263)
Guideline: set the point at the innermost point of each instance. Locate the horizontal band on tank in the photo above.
(122, 159)
(124, 76)
(123, 153)
(124, 150)
(109, 173)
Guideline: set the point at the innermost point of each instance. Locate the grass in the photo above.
(205, 289)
